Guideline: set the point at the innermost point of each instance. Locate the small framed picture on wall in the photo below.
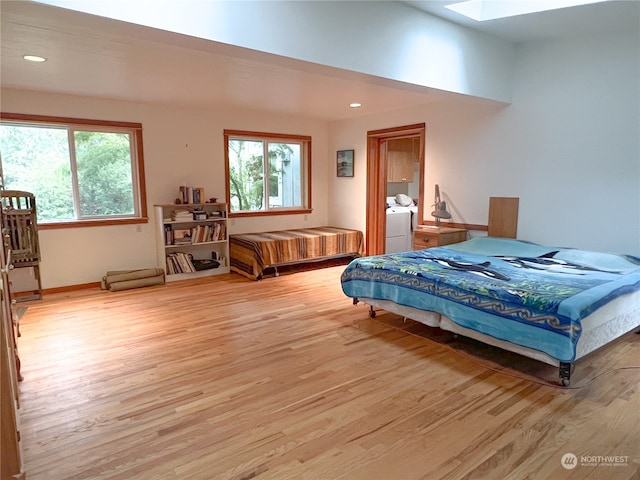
(345, 163)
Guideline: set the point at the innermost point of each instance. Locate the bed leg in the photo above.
(565, 373)
(372, 312)
(355, 301)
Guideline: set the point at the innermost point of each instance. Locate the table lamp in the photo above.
(440, 208)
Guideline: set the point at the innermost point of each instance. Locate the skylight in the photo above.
(482, 10)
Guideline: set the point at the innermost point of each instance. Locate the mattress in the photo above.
(528, 295)
(598, 329)
(252, 253)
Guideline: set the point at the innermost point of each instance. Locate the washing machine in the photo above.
(402, 220)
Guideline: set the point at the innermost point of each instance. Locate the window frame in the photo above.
(276, 138)
(140, 192)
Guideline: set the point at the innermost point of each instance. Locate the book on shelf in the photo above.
(180, 262)
(207, 233)
(185, 194)
(201, 234)
(220, 232)
(192, 195)
(168, 235)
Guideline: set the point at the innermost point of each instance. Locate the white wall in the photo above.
(575, 128)
(381, 38)
(568, 146)
(180, 145)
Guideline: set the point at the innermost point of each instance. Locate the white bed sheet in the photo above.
(609, 322)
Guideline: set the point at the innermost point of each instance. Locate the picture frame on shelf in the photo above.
(181, 236)
(345, 163)
(198, 195)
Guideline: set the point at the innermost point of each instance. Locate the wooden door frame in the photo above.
(377, 181)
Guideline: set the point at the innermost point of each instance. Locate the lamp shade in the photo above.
(441, 210)
(440, 207)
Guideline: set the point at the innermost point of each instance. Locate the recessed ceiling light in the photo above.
(355, 105)
(34, 58)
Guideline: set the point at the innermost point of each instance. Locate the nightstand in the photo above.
(427, 237)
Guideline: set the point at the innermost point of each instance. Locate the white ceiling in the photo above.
(100, 57)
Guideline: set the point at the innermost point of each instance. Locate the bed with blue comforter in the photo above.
(519, 293)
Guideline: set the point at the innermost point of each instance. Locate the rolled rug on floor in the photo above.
(137, 283)
(127, 275)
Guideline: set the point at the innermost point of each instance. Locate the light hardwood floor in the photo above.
(224, 378)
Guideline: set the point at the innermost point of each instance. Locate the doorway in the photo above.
(377, 175)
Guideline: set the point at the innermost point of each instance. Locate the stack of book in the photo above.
(179, 262)
(182, 215)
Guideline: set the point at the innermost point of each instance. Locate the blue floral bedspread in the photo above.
(528, 294)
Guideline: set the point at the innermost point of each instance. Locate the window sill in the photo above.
(91, 223)
(270, 213)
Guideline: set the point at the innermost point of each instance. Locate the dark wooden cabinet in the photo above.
(11, 465)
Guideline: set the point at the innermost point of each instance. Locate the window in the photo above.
(482, 10)
(82, 172)
(267, 174)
